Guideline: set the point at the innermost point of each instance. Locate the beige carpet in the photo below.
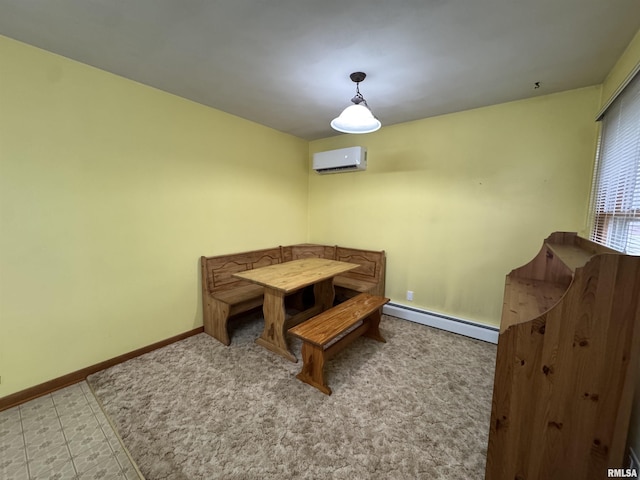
(417, 407)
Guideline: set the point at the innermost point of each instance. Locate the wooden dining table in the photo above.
(284, 279)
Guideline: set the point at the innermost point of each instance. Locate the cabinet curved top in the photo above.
(536, 287)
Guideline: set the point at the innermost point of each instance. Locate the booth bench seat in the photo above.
(224, 296)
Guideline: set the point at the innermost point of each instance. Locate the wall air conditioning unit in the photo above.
(341, 160)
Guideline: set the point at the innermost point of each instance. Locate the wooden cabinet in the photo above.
(567, 363)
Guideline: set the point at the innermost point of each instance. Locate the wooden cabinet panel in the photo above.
(567, 361)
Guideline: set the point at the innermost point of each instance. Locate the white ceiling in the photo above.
(286, 63)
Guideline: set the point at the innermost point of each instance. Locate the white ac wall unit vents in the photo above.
(341, 160)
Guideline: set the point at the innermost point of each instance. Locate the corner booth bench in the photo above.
(224, 296)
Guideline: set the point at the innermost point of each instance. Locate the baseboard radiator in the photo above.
(467, 328)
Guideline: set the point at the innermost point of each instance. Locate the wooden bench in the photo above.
(224, 296)
(321, 335)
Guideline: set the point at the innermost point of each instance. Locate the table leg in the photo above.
(273, 336)
(324, 293)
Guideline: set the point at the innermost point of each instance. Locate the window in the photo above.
(615, 193)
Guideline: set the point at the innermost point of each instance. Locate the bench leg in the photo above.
(216, 318)
(374, 326)
(313, 367)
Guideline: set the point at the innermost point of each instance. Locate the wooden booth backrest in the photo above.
(219, 269)
(308, 250)
(369, 277)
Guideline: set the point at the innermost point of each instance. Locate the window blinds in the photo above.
(615, 196)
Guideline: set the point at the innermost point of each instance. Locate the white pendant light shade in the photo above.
(356, 119)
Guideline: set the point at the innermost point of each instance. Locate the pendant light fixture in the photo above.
(356, 118)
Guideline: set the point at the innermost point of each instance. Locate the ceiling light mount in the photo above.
(357, 76)
(358, 117)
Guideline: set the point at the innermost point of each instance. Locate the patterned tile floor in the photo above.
(63, 436)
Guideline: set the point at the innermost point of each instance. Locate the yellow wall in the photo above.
(109, 193)
(623, 67)
(459, 200)
(621, 70)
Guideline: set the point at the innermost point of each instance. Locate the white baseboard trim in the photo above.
(450, 324)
